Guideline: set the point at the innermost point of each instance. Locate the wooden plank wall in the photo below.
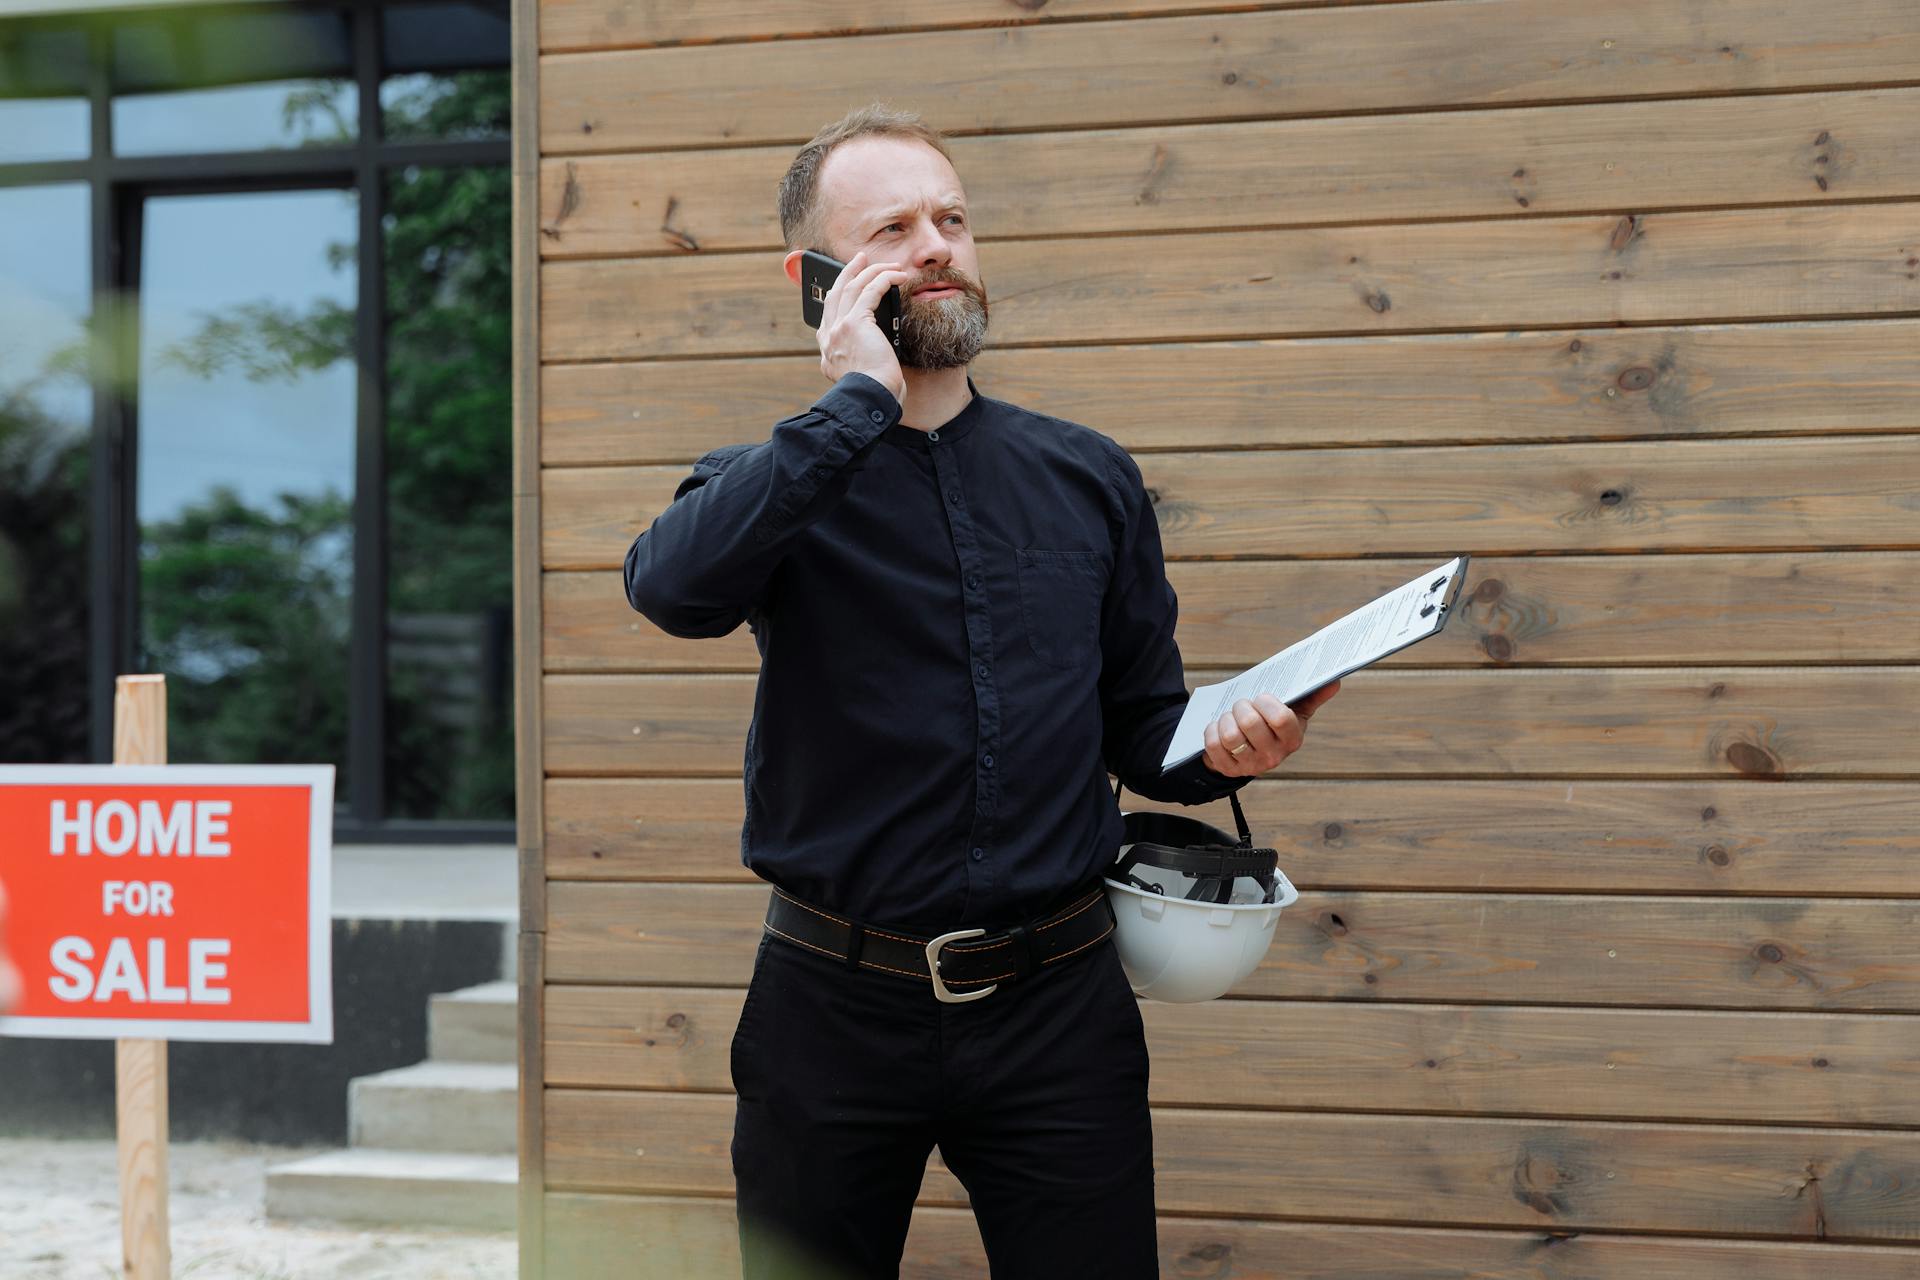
(1607, 960)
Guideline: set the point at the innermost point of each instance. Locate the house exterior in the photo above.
(1605, 959)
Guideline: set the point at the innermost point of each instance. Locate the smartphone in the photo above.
(817, 274)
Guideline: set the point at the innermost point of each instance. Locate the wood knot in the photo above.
(1499, 648)
(1709, 813)
(676, 1020)
(1333, 831)
(1335, 925)
(598, 854)
(1754, 761)
(1611, 497)
(1719, 689)
(1625, 232)
(1822, 1063)
(1770, 953)
(1379, 301)
(1638, 378)
(1371, 979)
(1232, 77)
(1717, 855)
(1432, 1063)
(1574, 345)
(1489, 590)
(1213, 1251)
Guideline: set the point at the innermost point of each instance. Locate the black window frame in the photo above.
(118, 187)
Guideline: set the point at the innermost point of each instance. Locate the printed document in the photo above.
(1403, 616)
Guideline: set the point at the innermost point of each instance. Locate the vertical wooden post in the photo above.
(140, 1066)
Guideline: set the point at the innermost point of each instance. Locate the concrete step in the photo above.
(436, 1106)
(399, 1188)
(474, 1024)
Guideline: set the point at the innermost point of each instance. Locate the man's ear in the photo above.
(791, 264)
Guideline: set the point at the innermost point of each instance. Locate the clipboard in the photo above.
(1403, 616)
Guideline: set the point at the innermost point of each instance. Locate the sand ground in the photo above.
(60, 1220)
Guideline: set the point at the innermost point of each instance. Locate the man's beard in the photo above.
(944, 333)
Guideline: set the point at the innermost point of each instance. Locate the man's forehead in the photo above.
(869, 177)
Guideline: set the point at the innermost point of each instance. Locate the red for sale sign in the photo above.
(169, 902)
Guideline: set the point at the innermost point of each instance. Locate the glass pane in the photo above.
(43, 129)
(249, 117)
(246, 423)
(451, 105)
(449, 750)
(46, 411)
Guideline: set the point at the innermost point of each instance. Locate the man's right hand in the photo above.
(850, 338)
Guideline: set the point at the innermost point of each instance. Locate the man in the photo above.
(964, 623)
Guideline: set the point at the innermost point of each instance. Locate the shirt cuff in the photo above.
(1197, 783)
(861, 403)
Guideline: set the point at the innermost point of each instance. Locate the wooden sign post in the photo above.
(140, 1066)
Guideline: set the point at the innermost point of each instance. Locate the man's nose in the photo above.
(929, 248)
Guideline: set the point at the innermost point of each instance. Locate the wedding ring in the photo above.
(1237, 750)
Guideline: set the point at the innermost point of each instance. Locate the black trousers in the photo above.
(1036, 1097)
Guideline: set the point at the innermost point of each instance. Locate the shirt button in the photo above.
(819, 473)
(979, 854)
(973, 580)
(987, 761)
(983, 671)
(954, 497)
(876, 415)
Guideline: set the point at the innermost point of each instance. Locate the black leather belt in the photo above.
(964, 965)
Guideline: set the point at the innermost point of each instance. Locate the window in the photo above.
(272, 459)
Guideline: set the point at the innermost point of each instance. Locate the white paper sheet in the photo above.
(1401, 617)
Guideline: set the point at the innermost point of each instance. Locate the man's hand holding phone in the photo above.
(850, 339)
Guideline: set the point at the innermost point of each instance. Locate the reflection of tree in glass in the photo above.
(246, 612)
(43, 585)
(449, 440)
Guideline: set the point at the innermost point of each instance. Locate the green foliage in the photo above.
(247, 613)
(44, 709)
(267, 342)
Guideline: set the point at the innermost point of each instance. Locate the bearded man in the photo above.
(964, 625)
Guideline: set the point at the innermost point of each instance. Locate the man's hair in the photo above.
(800, 188)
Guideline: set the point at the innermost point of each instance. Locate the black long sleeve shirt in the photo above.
(961, 633)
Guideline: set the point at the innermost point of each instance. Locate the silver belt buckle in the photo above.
(940, 989)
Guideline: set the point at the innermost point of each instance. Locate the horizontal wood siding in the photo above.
(1607, 957)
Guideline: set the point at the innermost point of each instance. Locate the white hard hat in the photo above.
(1194, 909)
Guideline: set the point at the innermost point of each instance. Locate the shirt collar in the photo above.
(952, 429)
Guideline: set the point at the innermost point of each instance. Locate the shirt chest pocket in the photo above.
(1060, 596)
